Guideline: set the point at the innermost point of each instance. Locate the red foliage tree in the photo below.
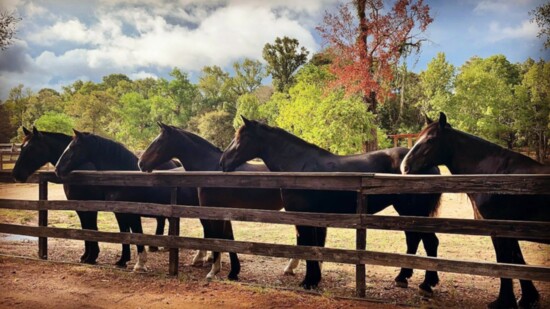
(367, 45)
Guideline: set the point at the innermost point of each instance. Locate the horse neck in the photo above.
(58, 144)
(289, 153)
(197, 154)
(473, 155)
(116, 157)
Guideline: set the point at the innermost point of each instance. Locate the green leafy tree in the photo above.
(214, 85)
(437, 85)
(284, 57)
(91, 110)
(135, 124)
(216, 127)
(533, 115)
(484, 100)
(182, 98)
(112, 80)
(55, 122)
(330, 120)
(7, 130)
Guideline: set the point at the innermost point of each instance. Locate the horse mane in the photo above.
(197, 139)
(112, 151)
(291, 137)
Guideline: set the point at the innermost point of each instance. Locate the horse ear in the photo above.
(77, 133)
(427, 119)
(247, 123)
(35, 131)
(26, 131)
(442, 120)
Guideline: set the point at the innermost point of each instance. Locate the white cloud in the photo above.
(129, 36)
(499, 6)
(525, 31)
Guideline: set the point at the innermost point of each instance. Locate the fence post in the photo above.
(360, 244)
(174, 230)
(43, 219)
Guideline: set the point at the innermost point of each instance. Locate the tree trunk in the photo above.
(372, 143)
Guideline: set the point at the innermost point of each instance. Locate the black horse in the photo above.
(462, 153)
(197, 154)
(39, 148)
(105, 155)
(284, 152)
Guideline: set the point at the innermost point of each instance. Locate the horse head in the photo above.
(429, 150)
(245, 146)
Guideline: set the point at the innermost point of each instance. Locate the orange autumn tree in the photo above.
(367, 41)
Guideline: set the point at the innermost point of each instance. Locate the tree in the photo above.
(541, 15)
(55, 122)
(216, 127)
(366, 46)
(533, 115)
(8, 22)
(437, 85)
(177, 100)
(330, 120)
(112, 80)
(214, 85)
(484, 100)
(283, 58)
(91, 110)
(7, 130)
(248, 76)
(135, 125)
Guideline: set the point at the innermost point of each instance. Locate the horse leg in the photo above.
(161, 221)
(142, 253)
(529, 295)
(506, 297)
(216, 230)
(291, 266)
(84, 224)
(124, 227)
(93, 246)
(412, 240)
(198, 260)
(431, 243)
(307, 237)
(233, 257)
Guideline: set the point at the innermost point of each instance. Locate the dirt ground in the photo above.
(26, 282)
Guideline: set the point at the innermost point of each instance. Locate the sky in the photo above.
(59, 42)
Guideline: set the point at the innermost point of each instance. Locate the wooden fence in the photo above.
(410, 137)
(361, 183)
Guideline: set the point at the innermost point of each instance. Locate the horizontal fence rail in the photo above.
(288, 251)
(365, 182)
(501, 228)
(362, 183)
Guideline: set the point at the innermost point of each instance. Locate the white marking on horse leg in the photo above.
(198, 259)
(291, 266)
(209, 257)
(404, 161)
(216, 267)
(141, 260)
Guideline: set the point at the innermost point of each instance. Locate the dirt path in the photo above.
(37, 284)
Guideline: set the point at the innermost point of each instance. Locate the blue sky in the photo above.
(61, 41)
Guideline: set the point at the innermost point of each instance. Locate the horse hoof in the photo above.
(526, 303)
(308, 286)
(140, 269)
(120, 264)
(402, 283)
(289, 272)
(232, 277)
(153, 249)
(425, 290)
(89, 262)
(499, 304)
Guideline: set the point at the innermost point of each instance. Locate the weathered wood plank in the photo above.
(539, 273)
(370, 183)
(43, 220)
(6, 177)
(502, 228)
(500, 184)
